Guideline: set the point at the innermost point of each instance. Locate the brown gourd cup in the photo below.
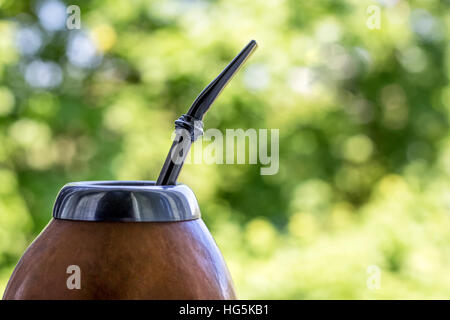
(123, 240)
(131, 239)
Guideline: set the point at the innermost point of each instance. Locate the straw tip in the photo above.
(253, 43)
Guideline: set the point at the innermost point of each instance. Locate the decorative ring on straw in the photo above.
(192, 125)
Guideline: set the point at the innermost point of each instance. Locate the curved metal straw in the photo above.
(189, 126)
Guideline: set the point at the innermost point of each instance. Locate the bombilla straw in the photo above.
(190, 126)
(206, 98)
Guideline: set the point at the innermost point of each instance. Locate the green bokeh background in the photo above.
(364, 133)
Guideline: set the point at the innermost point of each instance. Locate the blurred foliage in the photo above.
(363, 117)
